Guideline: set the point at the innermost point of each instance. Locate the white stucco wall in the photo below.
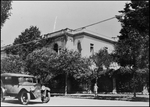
(98, 44)
(76, 39)
(69, 44)
(85, 41)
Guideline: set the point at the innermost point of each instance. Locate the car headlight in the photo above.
(43, 87)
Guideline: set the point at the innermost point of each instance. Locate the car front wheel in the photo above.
(24, 97)
(45, 99)
(2, 96)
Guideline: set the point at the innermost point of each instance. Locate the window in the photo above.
(79, 47)
(92, 48)
(27, 79)
(15, 81)
(56, 47)
(7, 80)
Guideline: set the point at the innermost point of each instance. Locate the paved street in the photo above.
(60, 101)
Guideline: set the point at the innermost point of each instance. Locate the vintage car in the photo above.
(24, 87)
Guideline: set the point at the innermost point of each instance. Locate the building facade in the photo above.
(85, 42)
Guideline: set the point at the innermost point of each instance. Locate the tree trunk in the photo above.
(96, 80)
(145, 90)
(114, 86)
(134, 87)
(134, 92)
(89, 87)
(66, 79)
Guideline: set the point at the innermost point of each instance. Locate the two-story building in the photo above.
(82, 41)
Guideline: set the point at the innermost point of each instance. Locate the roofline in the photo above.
(96, 37)
(71, 33)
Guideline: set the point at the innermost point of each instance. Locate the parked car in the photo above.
(24, 87)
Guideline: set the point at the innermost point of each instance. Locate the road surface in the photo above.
(61, 101)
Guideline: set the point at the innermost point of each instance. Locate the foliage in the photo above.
(26, 42)
(28, 35)
(44, 62)
(133, 45)
(102, 60)
(41, 63)
(12, 64)
(132, 48)
(72, 63)
(5, 10)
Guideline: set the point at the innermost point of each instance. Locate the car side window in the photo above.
(7, 80)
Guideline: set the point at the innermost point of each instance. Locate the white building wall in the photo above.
(98, 44)
(69, 44)
(85, 41)
(76, 39)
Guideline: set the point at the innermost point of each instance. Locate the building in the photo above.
(83, 41)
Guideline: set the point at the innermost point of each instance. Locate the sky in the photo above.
(51, 16)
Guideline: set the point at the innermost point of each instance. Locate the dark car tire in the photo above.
(2, 97)
(24, 97)
(46, 99)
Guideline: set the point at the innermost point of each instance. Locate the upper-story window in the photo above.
(91, 48)
(56, 47)
(79, 47)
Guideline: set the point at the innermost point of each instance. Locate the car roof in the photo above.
(16, 75)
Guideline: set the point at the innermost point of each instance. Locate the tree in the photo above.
(102, 61)
(24, 44)
(46, 62)
(29, 34)
(132, 48)
(41, 63)
(12, 64)
(71, 63)
(5, 10)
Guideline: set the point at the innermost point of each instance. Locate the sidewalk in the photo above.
(101, 96)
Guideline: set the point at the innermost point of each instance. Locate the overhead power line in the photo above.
(80, 28)
(94, 23)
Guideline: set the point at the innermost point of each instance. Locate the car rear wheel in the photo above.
(46, 99)
(24, 97)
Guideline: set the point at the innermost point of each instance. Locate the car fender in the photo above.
(48, 89)
(22, 91)
(2, 89)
